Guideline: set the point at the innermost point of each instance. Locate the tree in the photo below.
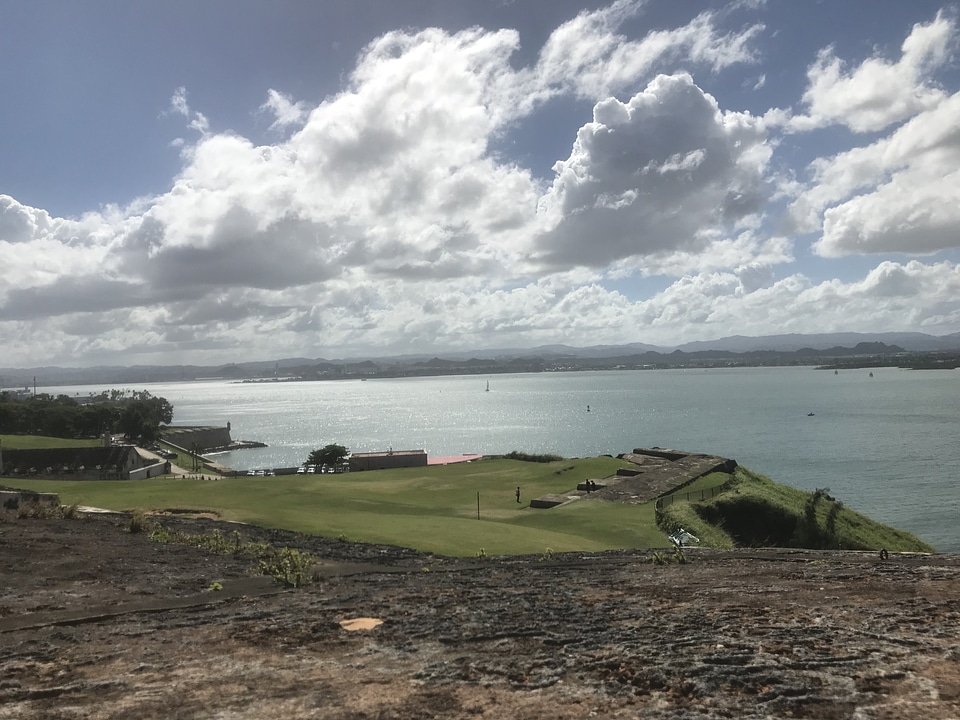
(329, 455)
(195, 451)
(142, 416)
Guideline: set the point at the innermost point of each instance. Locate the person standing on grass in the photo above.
(518, 493)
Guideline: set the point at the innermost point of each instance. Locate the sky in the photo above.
(191, 182)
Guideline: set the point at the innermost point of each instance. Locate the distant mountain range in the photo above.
(911, 342)
(737, 349)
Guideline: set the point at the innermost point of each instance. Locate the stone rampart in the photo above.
(160, 468)
(12, 499)
(205, 437)
(652, 474)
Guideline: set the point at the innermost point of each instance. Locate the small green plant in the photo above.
(481, 553)
(215, 587)
(289, 566)
(679, 556)
(547, 554)
(657, 558)
(158, 533)
(70, 512)
(214, 542)
(140, 523)
(258, 549)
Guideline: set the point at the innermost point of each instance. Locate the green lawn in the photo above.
(40, 442)
(432, 508)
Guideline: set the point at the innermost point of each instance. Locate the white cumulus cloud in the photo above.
(878, 92)
(388, 218)
(285, 110)
(656, 174)
(898, 194)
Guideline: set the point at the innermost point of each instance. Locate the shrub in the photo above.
(214, 542)
(530, 457)
(289, 566)
(140, 523)
(36, 509)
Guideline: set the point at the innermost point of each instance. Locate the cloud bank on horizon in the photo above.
(645, 174)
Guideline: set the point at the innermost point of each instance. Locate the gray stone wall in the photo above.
(208, 438)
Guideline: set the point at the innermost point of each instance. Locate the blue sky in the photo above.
(186, 182)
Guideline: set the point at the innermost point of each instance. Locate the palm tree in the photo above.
(195, 450)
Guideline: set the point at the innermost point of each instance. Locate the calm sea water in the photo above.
(885, 445)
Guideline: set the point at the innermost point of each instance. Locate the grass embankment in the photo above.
(754, 511)
(432, 508)
(435, 508)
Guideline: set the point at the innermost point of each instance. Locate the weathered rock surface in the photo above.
(98, 623)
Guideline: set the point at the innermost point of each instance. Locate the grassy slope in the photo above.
(705, 482)
(758, 511)
(435, 508)
(432, 508)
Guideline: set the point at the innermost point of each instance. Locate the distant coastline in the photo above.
(913, 351)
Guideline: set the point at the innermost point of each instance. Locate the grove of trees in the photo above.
(138, 415)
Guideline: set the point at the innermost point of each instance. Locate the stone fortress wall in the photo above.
(207, 438)
(653, 472)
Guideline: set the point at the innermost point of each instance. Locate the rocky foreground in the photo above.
(96, 622)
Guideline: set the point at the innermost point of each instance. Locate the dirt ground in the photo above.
(96, 622)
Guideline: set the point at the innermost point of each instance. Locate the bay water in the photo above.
(885, 441)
